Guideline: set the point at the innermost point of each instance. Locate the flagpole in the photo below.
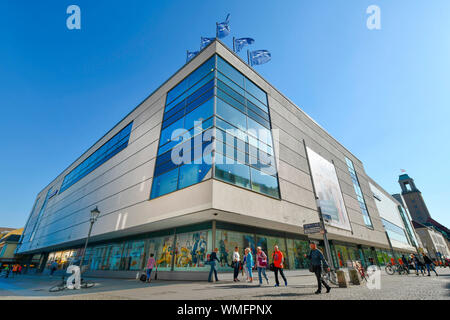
(187, 55)
(217, 30)
(234, 39)
(248, 57)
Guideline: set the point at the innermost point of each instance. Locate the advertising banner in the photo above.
(328, 190)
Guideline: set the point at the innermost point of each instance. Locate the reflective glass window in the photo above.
(165, 183)
(264, 183)
(231, 114)
(235, 173)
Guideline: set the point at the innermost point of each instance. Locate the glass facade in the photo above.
(100, 156)
(216, 117)
(359, 195)
(244, 146)
(41, 213)
(408, 226)
(188, 248)
(395, 232)
(293, 248)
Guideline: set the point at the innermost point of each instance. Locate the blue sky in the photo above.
(384, 94)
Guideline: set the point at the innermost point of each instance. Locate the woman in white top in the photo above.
(236, 263)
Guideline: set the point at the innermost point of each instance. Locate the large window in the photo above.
(41, 213)
(100, 156)
(359, 195)
(222, 104)
(192, 250)
(395, 232)
(244, 146)
(185, 147)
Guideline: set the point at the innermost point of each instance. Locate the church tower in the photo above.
(414, 200)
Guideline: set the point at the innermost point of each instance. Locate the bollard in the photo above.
(342, 280)
(354, 277)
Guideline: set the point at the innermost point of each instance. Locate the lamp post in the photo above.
(94, 216)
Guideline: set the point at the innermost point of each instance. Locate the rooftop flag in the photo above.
(190, 55)
(258, 57)
(242, 42)
(205, 42)
(223, 29)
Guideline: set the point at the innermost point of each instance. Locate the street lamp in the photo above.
(94, 216)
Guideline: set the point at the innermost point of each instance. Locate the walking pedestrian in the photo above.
(429, 264)
(236, 264)
(53, 268)
(415, 260)
(14, 270)
(405, 263)
(249, 264)
(213, 260)
(151, 264)
(278, 265)
(261, 264)
(317, 261)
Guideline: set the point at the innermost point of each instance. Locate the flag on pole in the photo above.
(205, 42)
(242, 42)
(259, 57)
(223, 29)
(190, 55)
(403, 170)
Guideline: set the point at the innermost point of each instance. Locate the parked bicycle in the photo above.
(63, 285)
(361, 271)
(330, 276)
(396, 268)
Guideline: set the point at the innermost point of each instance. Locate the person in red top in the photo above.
(278, 260)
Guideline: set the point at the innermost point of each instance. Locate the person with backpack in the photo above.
(317, 260)
(429, 264)
(151, 264)
(261, 264)
(278, 260)
(236, 264)
(213, 260)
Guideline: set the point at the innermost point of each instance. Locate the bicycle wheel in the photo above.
(87, 284)
(389, 270)
(332, 278)
(57, 288)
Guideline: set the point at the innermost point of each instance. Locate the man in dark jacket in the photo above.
(405, 263)
(213, 260)
(417, 263)
(317, 260)
(429, 263)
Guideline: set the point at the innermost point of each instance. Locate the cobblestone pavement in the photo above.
(301, 286)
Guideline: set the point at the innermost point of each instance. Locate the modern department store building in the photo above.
(248, 177)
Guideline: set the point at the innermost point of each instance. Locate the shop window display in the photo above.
(226, 241)
(270, 242)
(115, 256)
(342, 255)
(163, 249)
(133, 255)
(192, 251)
(296, 251)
